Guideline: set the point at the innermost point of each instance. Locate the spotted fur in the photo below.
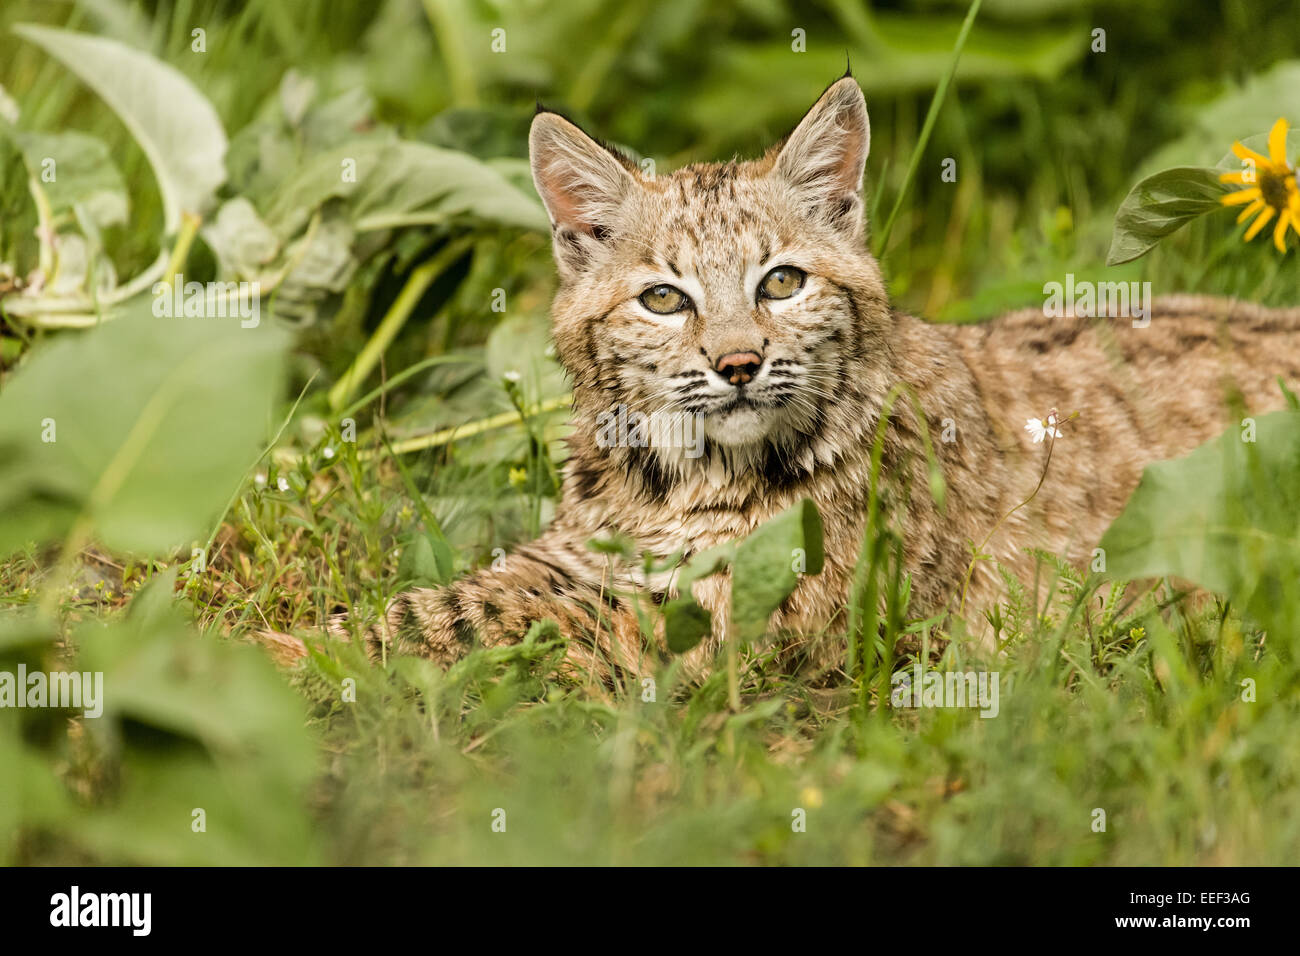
(830, 355)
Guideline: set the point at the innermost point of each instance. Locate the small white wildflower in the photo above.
(259, 479)
(282, 484)
(512, 376)
(328, 452)
(1041, 428)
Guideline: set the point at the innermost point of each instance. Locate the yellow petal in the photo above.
(1239, 178)
(1279, 231)
(1250, 210)
(1243, 152)
(1260, 222)
(1241, 196)
(1277, 142)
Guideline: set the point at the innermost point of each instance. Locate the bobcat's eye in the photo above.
(664, 299)
(781, 283)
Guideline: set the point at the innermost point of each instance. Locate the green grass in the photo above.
(1092, 716)
(1129, 703)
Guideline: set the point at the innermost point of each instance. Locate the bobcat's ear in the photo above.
(823, 159)
(582, 185)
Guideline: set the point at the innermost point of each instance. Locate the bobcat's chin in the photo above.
(741, 424)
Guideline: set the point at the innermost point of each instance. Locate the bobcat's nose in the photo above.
(739, 367)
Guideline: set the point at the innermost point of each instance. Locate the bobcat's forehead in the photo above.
(711, 230)
(710, 205)
(708, 221)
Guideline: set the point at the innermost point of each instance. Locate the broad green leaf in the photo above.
(194, 722)
(765, 567)
(685, 624)
(769, 563)
(33, 796)
(1160, 205)
(710, 561)
(1226, 517)
(154, 421)
(393, 184)
(172, 121)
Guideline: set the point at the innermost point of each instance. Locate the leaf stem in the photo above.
(181, 251)
(45, 232)
(419, 280)
(391, 383)
(446, 435)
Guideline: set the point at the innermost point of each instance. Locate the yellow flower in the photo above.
(518, 477)
(1272, 189)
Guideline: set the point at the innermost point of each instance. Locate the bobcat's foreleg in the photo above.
(555, 576)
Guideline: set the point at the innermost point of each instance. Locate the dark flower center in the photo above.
(1273, 188)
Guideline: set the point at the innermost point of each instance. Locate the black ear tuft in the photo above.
(848, 67)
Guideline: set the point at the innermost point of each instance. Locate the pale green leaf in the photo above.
(392, 184)
(1226, 517)
(172, 121)
(154, 421)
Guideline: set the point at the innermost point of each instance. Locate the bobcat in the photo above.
(741, 294)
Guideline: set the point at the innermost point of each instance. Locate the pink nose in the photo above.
(739, 367)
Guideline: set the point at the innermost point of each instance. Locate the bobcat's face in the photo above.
(720, 293)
